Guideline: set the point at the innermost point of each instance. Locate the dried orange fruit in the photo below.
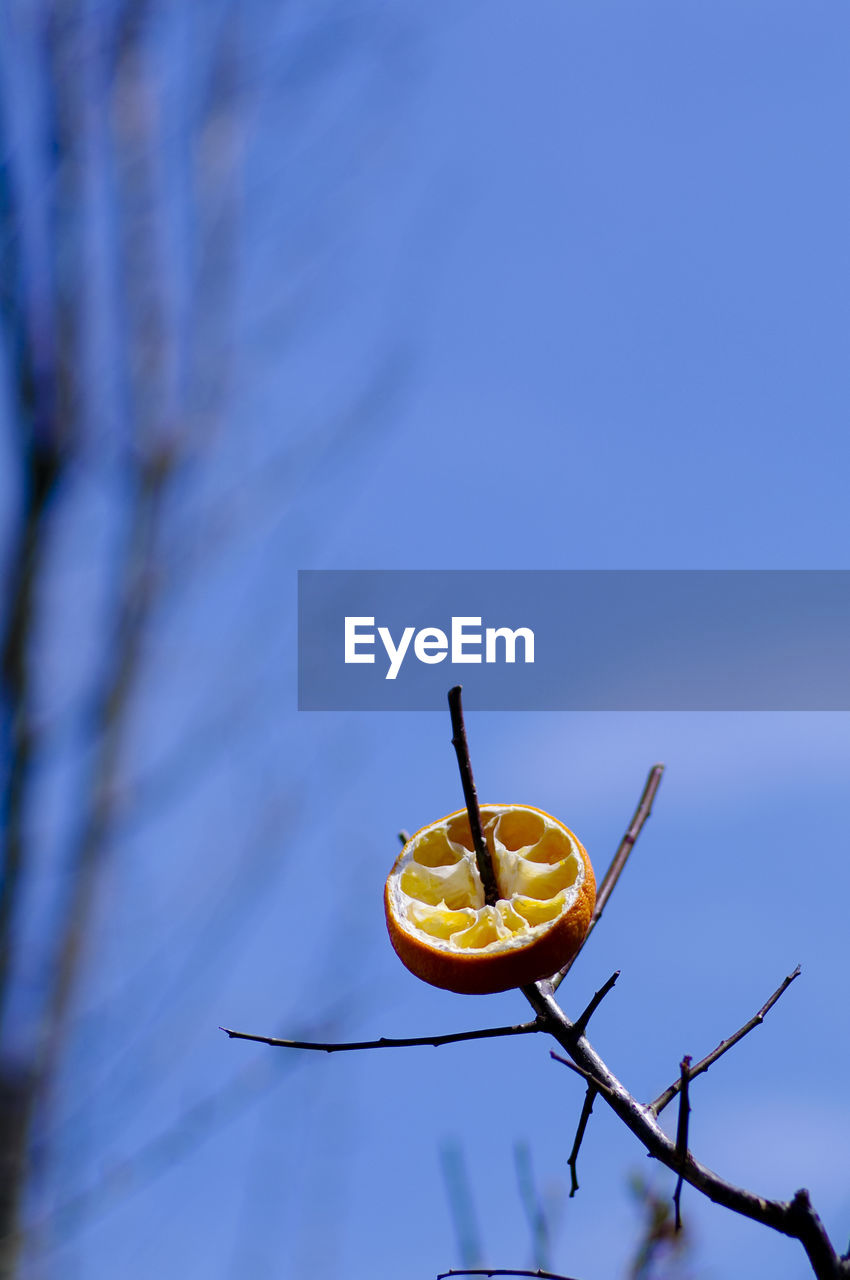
(445, 933)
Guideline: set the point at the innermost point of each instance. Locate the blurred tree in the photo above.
(129, 322)
(108, 379)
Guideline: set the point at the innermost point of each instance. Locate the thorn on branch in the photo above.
(587, 1107)
(461, 746)
(580, 1071)
(581, 1022)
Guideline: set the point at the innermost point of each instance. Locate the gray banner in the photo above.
(582, 640)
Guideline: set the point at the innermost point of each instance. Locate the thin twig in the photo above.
(682, 1132)
(583, 1018)
(482, 853)
(502, 1271)
(621, 857)
(579, 1071)
(388, 1042)
(587, 1107)
(670, 1092)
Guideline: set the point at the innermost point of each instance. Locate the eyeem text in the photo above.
(430, 644)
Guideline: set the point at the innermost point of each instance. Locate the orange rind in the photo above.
(443, 930)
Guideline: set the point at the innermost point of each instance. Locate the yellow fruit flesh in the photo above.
(538, 870)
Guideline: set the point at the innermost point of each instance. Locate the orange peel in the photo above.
(443, 930)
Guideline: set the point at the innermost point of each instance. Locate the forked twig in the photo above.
(725, 1045)
(618, 862)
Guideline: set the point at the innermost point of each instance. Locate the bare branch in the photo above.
(670, 1092)
(682, 1131)
(388, 1042)
(621, 857)
(809, 1230)
(792, 1219)
(482, 853)
(599, 996)
(502, 1271)
(587, 1107)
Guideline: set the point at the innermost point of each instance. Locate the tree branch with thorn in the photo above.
(795, 1218)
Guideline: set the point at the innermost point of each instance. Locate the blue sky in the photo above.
(583, 268)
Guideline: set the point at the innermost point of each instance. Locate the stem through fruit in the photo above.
(482, 853)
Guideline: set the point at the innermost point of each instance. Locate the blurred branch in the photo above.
(37, 322)
(659, 1237)
(133, 181)
(461, 1203)
(41, 467)
(44, 305)
(214, 933)
(136, 584)
(29, 312)
(195, 1126)
(538, 1223)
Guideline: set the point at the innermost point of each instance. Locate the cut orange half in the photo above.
(445, 933)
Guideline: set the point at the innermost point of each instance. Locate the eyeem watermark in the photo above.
(464, 642)
(574, 640)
